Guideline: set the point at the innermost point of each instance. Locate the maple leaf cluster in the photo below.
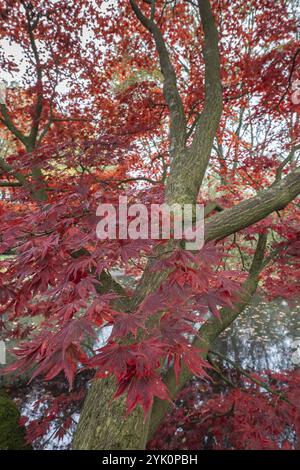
(248, 417)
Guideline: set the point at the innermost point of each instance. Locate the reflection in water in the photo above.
(263, 337)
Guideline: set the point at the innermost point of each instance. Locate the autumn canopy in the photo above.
(187, 101)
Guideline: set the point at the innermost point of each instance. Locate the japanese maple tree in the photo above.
(161, 101)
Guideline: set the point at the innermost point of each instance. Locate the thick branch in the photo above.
(171, 94)
(7, 169)
(39, 194)
(187, 174)
(230, 221)
(209, 331)
(213, 87)
(31, 25)
(253, 210)
(7, 121)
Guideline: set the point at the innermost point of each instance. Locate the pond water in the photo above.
(264, 336)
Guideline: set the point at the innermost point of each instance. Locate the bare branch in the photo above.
(128, 180)
(10, 184)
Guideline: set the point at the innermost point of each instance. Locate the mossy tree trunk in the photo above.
(104, 425)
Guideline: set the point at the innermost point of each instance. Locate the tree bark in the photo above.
(104, 425)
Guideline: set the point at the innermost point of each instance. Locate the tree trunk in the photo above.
(103, 424)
